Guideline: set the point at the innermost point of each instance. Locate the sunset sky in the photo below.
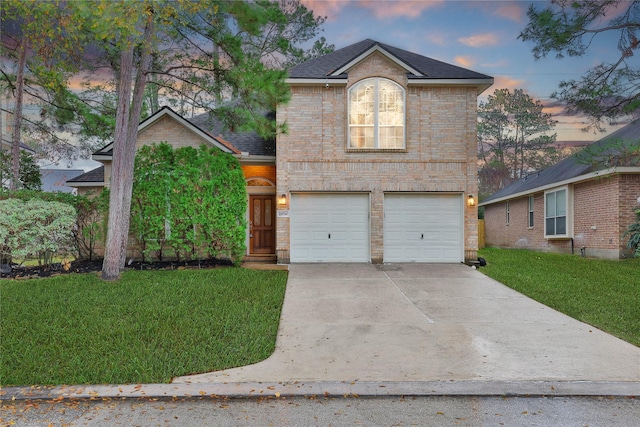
(479, 35)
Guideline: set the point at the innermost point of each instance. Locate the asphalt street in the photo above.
(321, 411)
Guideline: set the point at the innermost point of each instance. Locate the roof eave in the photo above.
(85, 184)
(248, 159)
(316, 81)
(575, 179)
(481, 84)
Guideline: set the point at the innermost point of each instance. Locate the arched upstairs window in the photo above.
(376, 115)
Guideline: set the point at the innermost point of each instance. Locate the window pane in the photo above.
(530, 219)
(361, 137)
(361, 108)
(561, 225)
(561, 203)
(390, 104)
(531, 203)
(267, 212)
(551, 226)
(550, 205)
(391, 137)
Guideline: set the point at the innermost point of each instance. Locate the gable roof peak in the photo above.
(335, 65)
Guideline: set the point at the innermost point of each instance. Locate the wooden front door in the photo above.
(262, 219)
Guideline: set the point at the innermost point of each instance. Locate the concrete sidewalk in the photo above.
(408, 329)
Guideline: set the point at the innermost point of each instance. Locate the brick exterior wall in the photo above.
(165, 129)
(602, 207)
(440, 153)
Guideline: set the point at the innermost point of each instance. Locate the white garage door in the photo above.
(329, 227)
(423, 228)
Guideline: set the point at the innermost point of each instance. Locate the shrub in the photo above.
(188, 202)
(633, 231)
(35, 228)
(90, 223)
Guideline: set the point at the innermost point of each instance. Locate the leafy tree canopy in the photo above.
(607, 90)
(29, 173)
(513, 138)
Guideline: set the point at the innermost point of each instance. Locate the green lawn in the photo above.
(602, 293)
(145, 328)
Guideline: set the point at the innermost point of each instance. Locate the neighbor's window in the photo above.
(507, 214)
(376, 115)
(555, 213)
(530, 211)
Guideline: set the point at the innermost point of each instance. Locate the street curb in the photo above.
(327, 389)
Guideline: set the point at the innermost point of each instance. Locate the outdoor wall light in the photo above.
(282, 200)
(471, 201)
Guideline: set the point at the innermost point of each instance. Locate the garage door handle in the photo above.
(422, 236)
(329, 235)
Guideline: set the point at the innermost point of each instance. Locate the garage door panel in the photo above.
(330, 227)
(423, 228)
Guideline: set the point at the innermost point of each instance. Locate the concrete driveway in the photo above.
(426, 322)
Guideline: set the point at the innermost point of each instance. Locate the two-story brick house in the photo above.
(378, 164)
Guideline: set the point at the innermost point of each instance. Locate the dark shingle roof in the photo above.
(322, 67)
(96, 175)
(249, 142)
(571, 167)
(6, 144)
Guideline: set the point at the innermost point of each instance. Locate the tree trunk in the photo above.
(17, 118)
(124, 151)
(115, 225)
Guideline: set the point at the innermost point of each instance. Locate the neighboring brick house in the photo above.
(379, 160)
(573, 206)
(378, 164)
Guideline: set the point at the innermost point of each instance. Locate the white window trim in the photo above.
(507, 212)
(530, 212)
(376, 128)
(569, 214)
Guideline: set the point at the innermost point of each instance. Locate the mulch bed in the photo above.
(20, 272)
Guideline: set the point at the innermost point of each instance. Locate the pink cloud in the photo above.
(393, 8)
(464, 61)
(511, 11)
(505, 82)
(328, 8)
(480, 40)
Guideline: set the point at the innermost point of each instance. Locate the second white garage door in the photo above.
(330, 227)
(423, 228)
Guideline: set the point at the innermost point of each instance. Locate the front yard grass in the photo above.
(602, 293)
(145, 328)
